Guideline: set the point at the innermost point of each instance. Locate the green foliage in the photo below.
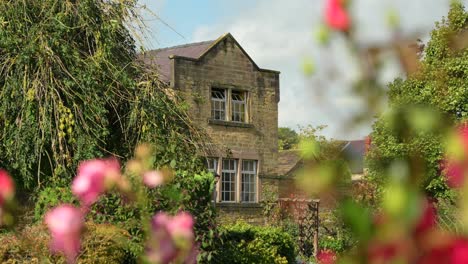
(72, 89)
(423, 105)
(287, 138)
(243, 243)
(49, 197)
(101, 244)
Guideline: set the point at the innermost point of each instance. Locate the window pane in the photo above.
(228, 180)
(248, 181)
(218, 104)
(238, 103)
(212, 165)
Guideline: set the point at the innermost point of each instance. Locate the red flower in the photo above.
(455, 252)
(65, 223)
(7, 187)
(336, 16)
(382, 253)
(326, 257)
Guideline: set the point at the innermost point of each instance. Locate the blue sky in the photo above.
(278, 34)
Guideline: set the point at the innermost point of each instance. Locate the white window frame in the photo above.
(233, 181)
(238, 187)
(249, 188)
(213, 169)
(240, 104)
(218, 101)
(230, 105)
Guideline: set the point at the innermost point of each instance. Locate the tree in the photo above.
(71, 89)
(423, 104)
(287, 138)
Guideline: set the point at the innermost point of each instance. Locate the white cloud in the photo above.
(278, 35)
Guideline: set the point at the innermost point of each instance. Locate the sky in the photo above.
(279, 35)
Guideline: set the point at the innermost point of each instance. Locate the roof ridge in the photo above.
(184, 45)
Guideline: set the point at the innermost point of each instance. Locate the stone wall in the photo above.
(227, 66)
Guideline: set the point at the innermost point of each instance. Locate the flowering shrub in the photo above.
(169, 239)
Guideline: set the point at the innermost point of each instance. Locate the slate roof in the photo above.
(160, 57)
(287, 161)
(353, 152)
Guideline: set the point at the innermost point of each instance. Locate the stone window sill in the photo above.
(229, 123)
(238, 205)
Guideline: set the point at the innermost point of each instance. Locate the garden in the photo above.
(100, 164)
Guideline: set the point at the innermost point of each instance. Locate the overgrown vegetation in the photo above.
(72, 89)
(435, 93)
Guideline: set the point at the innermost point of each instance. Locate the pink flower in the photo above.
(171, 239)
(93, 178)
(326, 257)
(428, 219)
(460, 252)
(336, 16)
(7, 187)
(454, 173)
(65, 223)
(181, 226)
(153, 178)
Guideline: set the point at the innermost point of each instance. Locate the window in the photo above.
(237, 184)
(238, 106)
(228, 105)
(228, 180)
(218, 104)
(212, 165)
(248, 181)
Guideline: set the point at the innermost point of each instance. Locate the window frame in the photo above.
(230, 104)
(238, 181)
(253, 189)
(233, 183)
(224, 101)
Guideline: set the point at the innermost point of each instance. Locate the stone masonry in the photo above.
(193, 70)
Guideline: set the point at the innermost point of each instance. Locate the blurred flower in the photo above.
(455, 165)
(93, 178)
(455, 252)
(171, 238)
(65, 223)
(454, 173)
(428, 219)
(181, 226)
(460, 251)
(326, 257)
(7, 187)
(336, 16)
(153, 178)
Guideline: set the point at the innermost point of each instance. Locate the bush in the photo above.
(243, 243)
(49, 197)
(101, 244)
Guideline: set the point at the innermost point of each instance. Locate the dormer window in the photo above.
(229, 105)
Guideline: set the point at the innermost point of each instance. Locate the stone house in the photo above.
(236, 103)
